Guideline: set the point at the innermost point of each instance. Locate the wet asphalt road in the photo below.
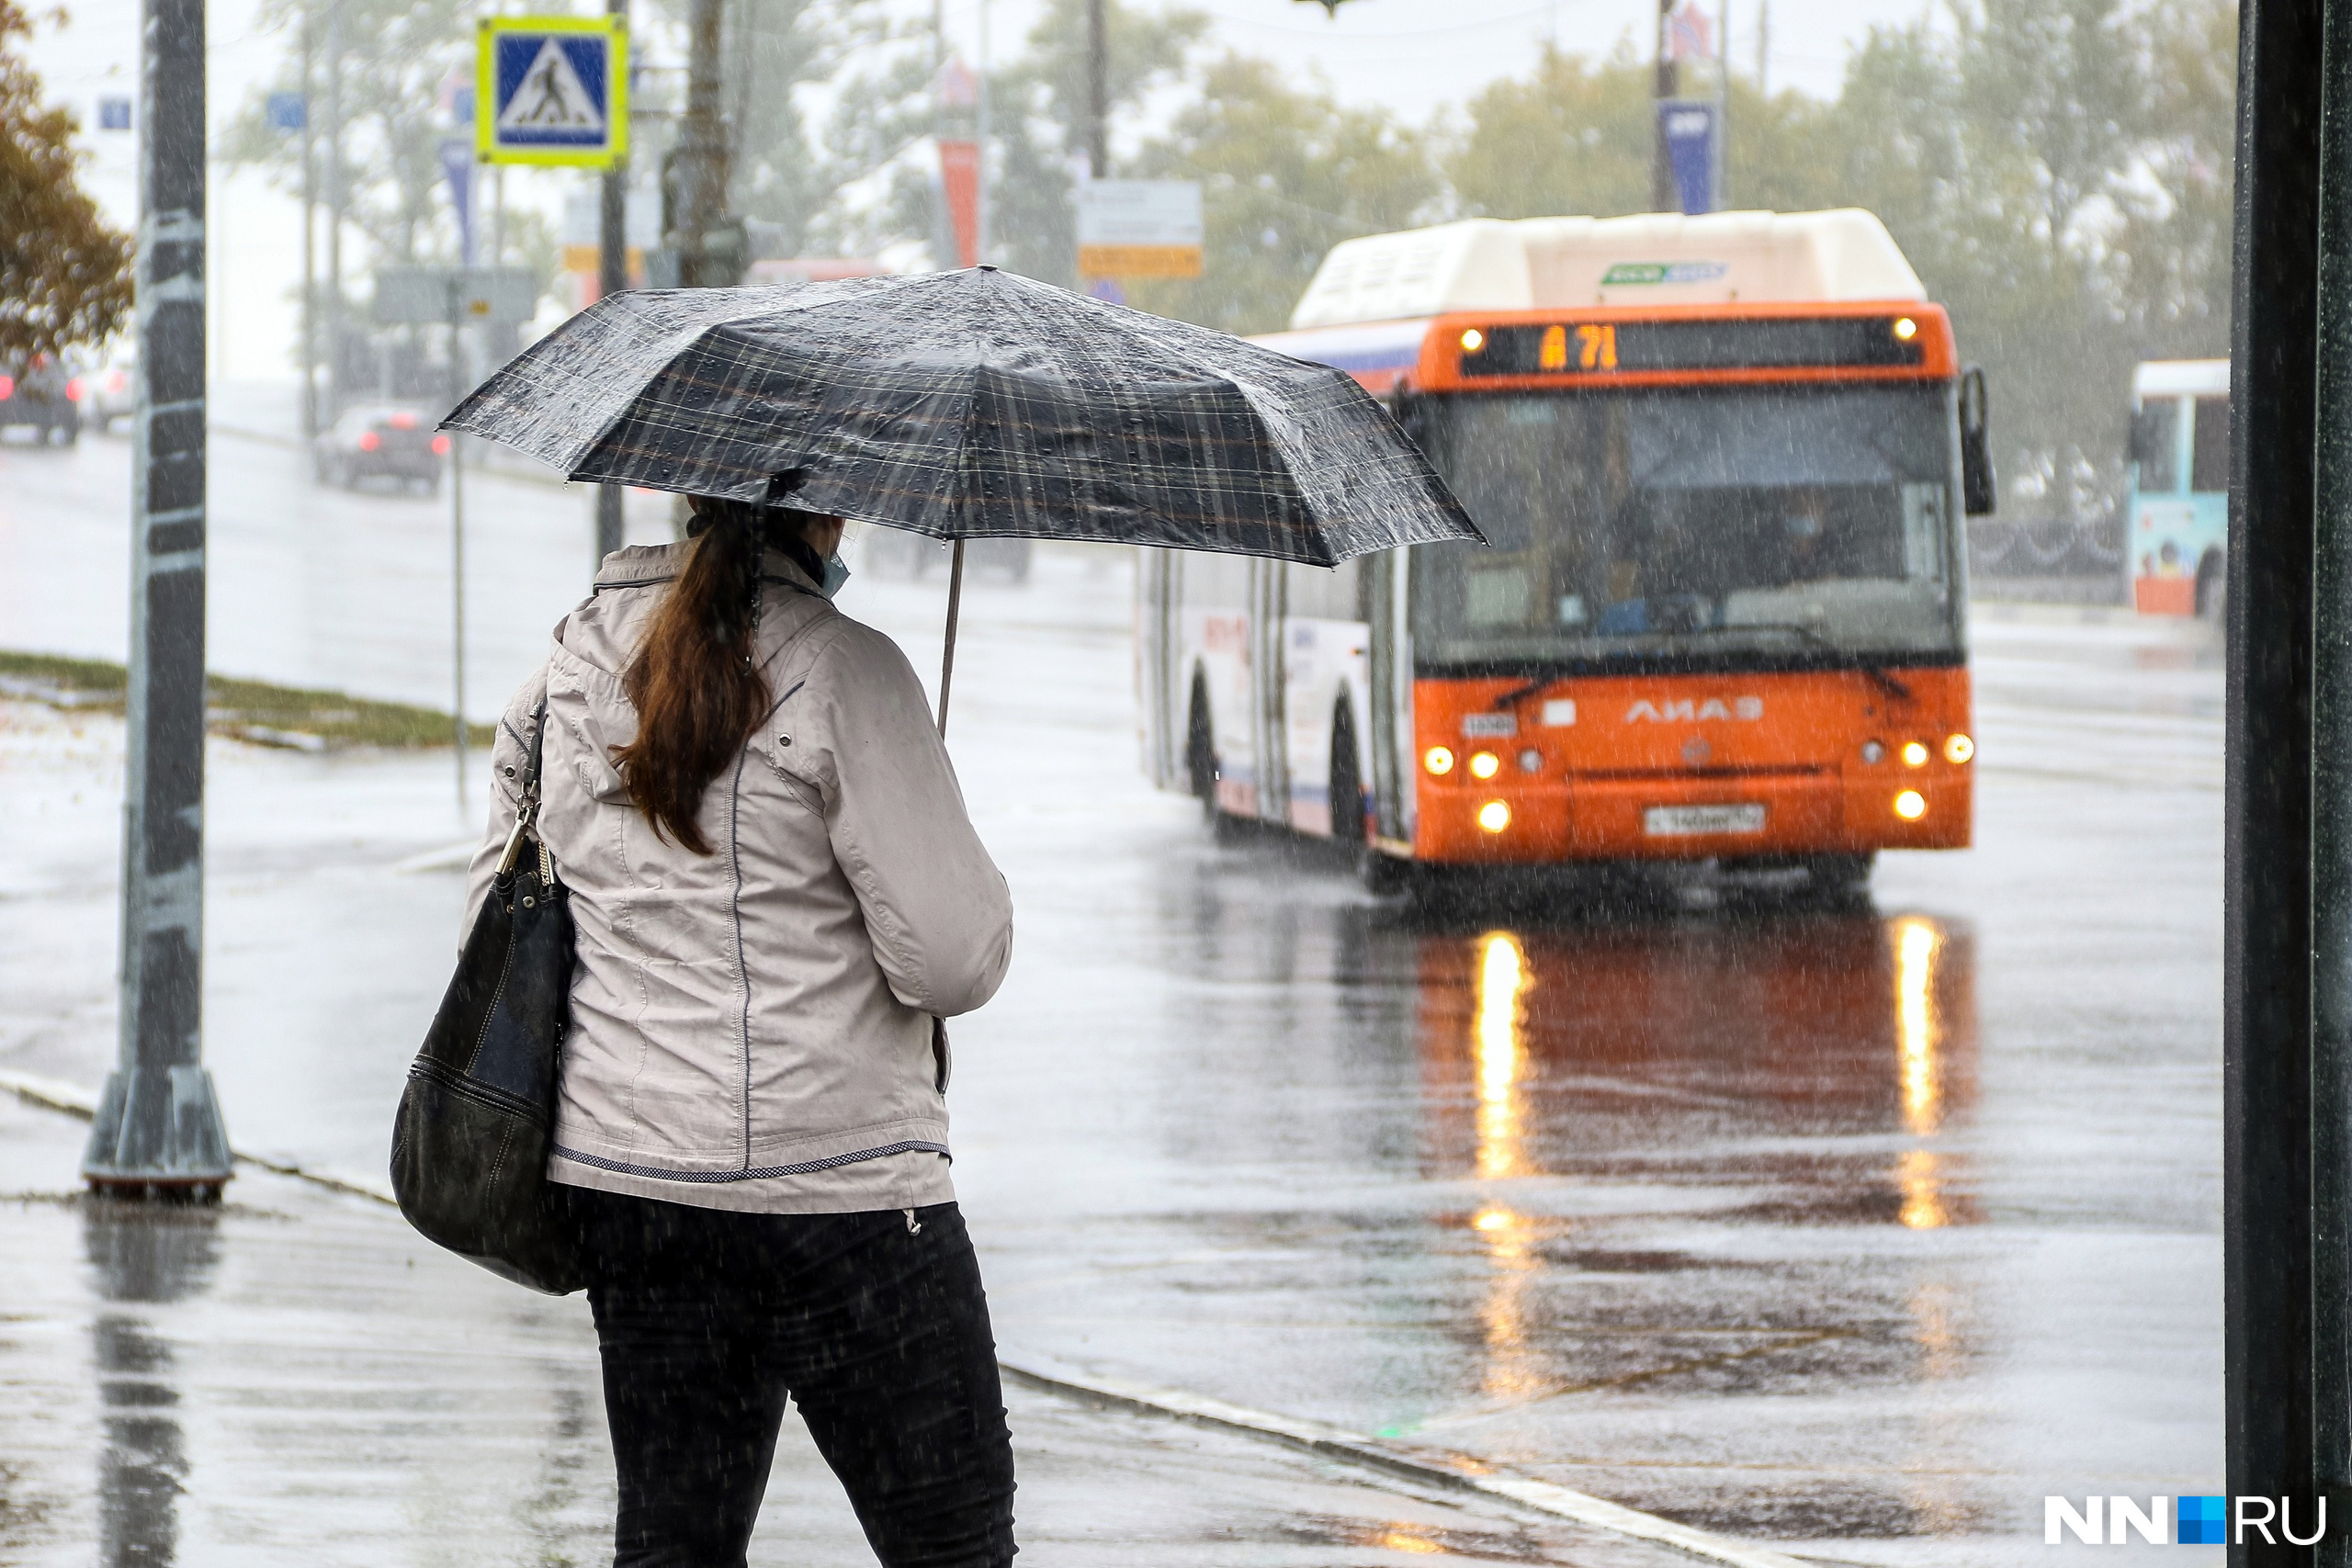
(1858, 1231)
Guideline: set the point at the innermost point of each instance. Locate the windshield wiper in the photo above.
(1879, 677)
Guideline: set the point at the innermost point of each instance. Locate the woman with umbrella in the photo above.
(775, 888)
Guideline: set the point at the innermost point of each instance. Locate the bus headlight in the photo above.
(1910, 805)
(1485, 764)
(1494, 817)
(1473, 340)
(1438, 760)
(1915, 754)
(1958, 748)
(1905, 329)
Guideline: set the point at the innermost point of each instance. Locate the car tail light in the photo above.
(7, 387)
(74, 390)
(440, 445)
(369, 441)
(403, 421)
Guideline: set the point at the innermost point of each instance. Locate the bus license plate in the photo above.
(1680, 821)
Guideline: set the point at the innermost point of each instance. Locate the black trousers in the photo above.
(877, 1329)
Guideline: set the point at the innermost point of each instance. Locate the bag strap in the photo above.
(526, 808)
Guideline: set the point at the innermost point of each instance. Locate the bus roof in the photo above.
(1571, 263)
(2181, 378)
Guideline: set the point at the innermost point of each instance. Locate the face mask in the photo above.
(836, 573)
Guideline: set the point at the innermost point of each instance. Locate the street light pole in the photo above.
(1098, 92)
(1662, 194)
(158, 1129)
(702, 151)
(309, 246)
(612, 276)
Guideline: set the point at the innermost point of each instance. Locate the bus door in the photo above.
(1390, 696)
(1157, 664)
(1268, 718)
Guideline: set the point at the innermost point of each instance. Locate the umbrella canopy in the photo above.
(966, 405)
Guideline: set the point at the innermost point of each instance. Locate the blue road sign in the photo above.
(1693, 147)
(287, 111)
(114, 114)
(551, 90)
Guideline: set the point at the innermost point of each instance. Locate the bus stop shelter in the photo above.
(2288, 1007)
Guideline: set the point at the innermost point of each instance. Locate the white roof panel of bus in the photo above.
(2182, 378)
(1483, 264)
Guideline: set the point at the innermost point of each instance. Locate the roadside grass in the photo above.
(252, 711)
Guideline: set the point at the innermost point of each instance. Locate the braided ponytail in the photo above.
(694, 680)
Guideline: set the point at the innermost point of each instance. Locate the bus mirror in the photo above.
(1977, 489)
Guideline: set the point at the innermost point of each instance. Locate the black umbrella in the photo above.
(966, 405)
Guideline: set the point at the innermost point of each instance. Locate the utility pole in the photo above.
(158, 1130)
(1764, 48)
(983, 133)
(702, 153)
(309, 246)
(1098, 94)
(1662, 194)
(335, 197)
(1723, 101)
(612, 276)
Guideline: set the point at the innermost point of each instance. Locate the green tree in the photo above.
(1572, 137)
(1038, 106)
(395, 55)
(65, 276)
(1286, 172)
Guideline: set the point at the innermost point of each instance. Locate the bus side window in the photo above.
(2209, 448)
(2154, 429)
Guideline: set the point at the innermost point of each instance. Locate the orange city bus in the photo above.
(1720, 463)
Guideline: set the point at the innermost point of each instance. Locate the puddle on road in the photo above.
(1667, 1120)
(141, 1256)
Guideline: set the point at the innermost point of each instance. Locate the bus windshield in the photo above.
(1752, 523)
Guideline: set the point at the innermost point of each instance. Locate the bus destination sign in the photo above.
(1588, 348)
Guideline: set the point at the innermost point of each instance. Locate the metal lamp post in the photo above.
(158, 1129)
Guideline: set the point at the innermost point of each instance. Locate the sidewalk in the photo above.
(296, 1378)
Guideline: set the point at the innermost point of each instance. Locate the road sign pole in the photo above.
(158, 1130)
(612, 276)
(457, 387)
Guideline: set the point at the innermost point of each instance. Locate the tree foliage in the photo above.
(1286, 172)
(65, 276)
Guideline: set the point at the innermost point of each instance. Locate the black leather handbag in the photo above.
(469, 1146)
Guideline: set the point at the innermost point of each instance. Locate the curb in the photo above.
(56, 1094)
(1442, 1467)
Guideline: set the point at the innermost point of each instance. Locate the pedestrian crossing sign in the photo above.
(551, 90)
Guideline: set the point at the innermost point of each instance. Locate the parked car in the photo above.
(43, 392)
(110, 388)
(380, 441)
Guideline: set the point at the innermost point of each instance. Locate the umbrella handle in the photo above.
(948, 662)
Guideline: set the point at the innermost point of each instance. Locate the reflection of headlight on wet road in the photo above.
(1916, 942)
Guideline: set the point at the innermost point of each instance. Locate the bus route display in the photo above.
(1585, 348)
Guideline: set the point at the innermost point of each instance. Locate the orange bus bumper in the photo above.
(1695, 767)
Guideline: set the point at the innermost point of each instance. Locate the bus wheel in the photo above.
(1347, 787)
(2213, 587)
(1838, 879)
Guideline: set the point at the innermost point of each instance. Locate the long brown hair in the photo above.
(696, 679)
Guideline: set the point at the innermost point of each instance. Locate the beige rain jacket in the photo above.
(753, 1028)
